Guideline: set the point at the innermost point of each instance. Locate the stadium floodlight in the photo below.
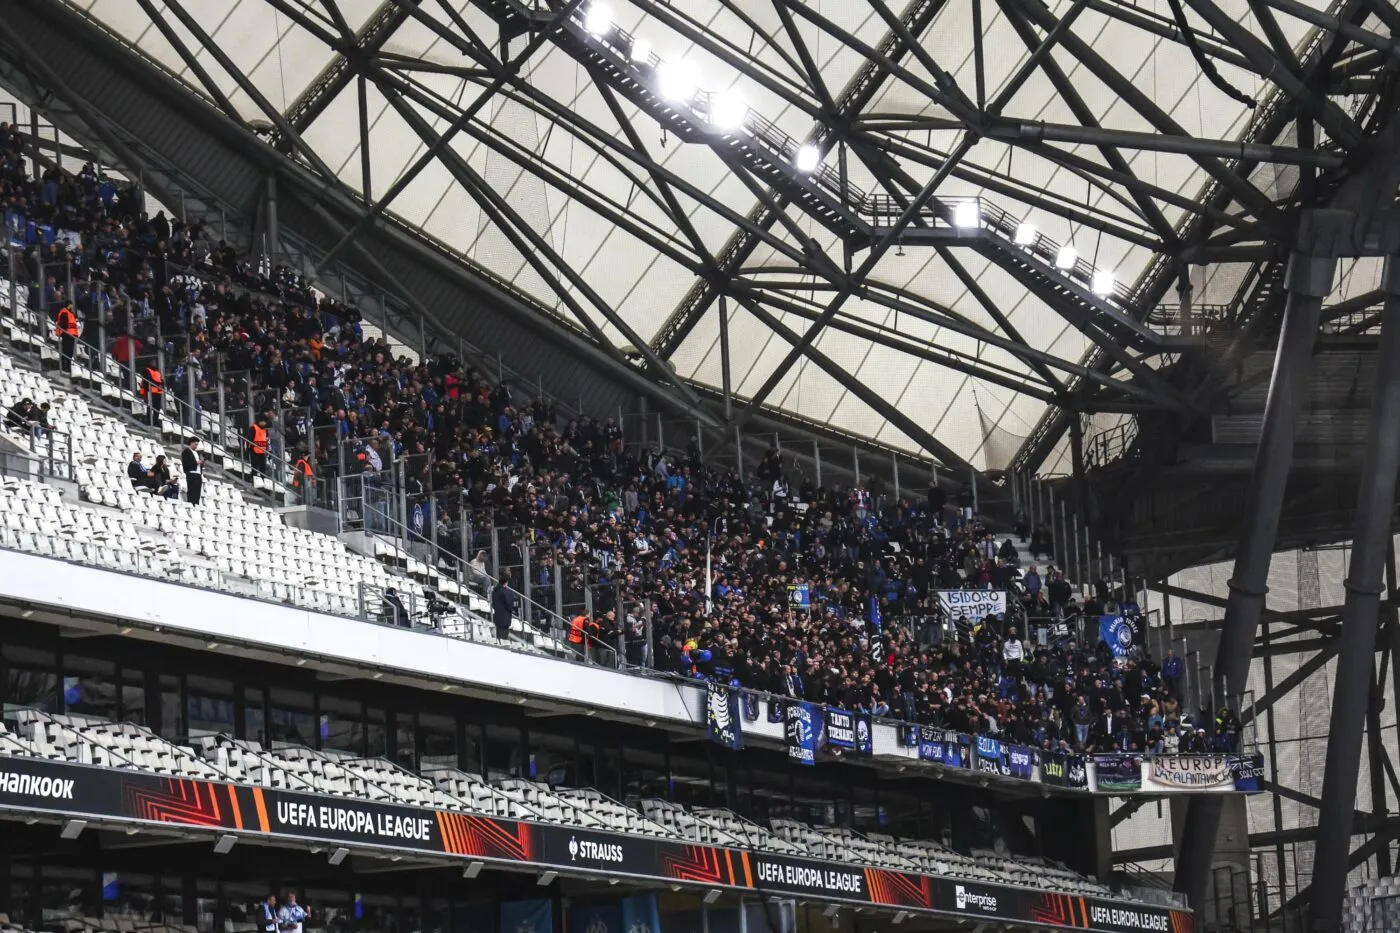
(473, 869)
(967, 214)
(598, 19)
(225, 843)
(1066, 257)
(712, 895)
(641, 49)
(807, 159)
(338, 855)
(728, 110)
(677, 81)
(1025, 234)
(72, 829)
(1103, 283)
(546, 878)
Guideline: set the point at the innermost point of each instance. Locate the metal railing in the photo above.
(375, 503)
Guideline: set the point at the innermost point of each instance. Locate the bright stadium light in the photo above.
(1025, 234)
(1102, 283)
(598, 19)
(1066, 257)
(641, 49)
(677, 81)
(807, 159)
(727, 110)
(967, 214)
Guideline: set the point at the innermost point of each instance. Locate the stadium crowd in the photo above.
(645, 525)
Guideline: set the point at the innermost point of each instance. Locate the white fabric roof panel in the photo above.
(283, 59)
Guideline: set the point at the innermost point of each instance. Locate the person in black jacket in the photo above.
(503, 607)
(193, 465)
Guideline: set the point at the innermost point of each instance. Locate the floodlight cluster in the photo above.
(678, 83)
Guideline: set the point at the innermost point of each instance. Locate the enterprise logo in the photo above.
(29, 785)
(975, 900)
(594, 851)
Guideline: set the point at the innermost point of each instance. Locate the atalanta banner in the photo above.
(722, 716)
(1061, 770)
(847, 730)
(1248, 771)
(1203, 773)
(989, 757)
(973, 605)
(41, 785)
(1020, 761)
(803, 732)
(1118, 772)
(942, 747)
(1118, 633)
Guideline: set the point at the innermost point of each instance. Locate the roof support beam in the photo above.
(1248, 195)
(506, 217)
(429, 155)
(1341, 127)
(336, 76)
(1341, 26)
(248, 87)
(859, 91)
(876, 252)
(191, 60)
(1066, 89)
(881, 406)
(1033, 131)
(941, 317)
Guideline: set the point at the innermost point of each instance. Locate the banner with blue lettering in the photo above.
(722, 715)
(1117, 633)
(595, 918)
(800, 595)
(1118, 772)
(536, 916)
(989, 756)
(640, 914)
(804, 732)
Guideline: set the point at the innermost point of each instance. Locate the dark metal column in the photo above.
(1356, 655)
(1309, 281)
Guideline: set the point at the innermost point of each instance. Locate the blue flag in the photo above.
(640, 914)
(597, 918)
(1117, 633)
(536, 916)
(803, 730)
(722, 715)
(877, 627)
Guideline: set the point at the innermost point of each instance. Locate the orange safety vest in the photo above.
(303, 468)
(576, 629)
(65, 323)
(153, 383)
(259, 439)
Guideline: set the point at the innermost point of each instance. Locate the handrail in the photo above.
(463, 575)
